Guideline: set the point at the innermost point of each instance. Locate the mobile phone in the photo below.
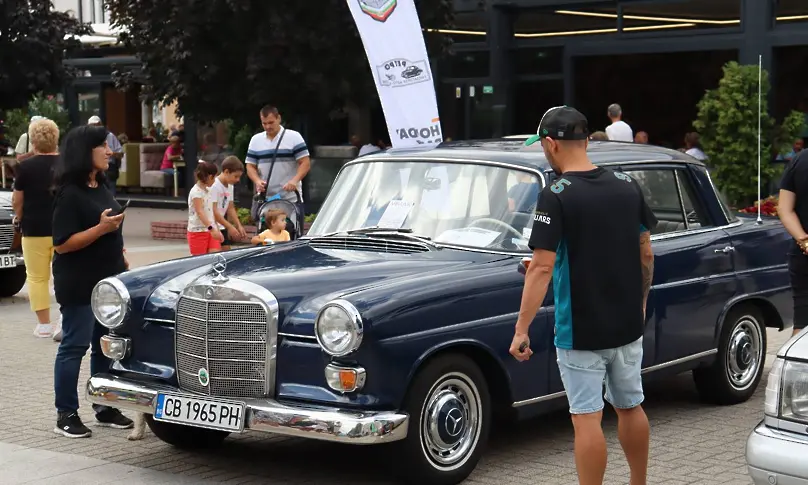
(523, 347)
(124, 206)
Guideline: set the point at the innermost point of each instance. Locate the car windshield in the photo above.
(460, 204)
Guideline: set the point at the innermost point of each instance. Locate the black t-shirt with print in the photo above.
(795, 179)
(592, 220)
(75, 274)
(35, 180)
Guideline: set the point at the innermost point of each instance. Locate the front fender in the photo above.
(499, 380)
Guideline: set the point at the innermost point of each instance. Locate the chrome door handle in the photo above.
(726, 250)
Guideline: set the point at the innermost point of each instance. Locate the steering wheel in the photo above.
(499, 223)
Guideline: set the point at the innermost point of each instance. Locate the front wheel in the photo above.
(738, 366)
(11, 281)
(450, 417)
(186, 437)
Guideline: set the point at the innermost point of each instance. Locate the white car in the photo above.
(12, 266)
(777, 450)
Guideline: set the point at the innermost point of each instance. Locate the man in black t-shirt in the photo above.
(591, 235)
(793, 211)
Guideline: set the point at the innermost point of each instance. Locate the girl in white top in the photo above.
(203, 233)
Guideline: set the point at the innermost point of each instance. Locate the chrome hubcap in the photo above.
(744, 353)
(450, 421)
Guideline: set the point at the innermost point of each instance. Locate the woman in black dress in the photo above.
(89, 247)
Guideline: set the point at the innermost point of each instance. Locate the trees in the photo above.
(41, 105)
(728, 125)
(225, 58)
(32, 45)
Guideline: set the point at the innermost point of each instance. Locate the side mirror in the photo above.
(523, 265)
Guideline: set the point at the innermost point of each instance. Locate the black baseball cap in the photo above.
(561, 123)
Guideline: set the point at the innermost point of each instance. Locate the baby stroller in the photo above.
(293, 210)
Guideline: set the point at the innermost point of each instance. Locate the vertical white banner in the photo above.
(394, 44)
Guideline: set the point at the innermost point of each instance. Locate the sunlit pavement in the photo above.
(692, 443)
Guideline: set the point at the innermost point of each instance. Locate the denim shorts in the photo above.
(583, 373)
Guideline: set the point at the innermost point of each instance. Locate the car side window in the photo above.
(671, 196)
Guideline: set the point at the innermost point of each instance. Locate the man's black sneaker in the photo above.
(70, 425)
(112, 418)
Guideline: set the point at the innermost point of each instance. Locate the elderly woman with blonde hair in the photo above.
(33, 206)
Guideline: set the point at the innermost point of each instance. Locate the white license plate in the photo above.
(8, 261)
(203, 413)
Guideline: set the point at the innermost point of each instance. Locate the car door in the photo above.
(693, 265)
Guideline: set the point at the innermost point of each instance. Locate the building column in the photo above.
(757, 19)
(146, 119)
(190, 151)
(500, 37)
(72, 103)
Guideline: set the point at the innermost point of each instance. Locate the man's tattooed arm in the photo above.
(647, 260)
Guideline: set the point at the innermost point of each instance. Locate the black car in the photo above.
(411, 71)
(12, 267)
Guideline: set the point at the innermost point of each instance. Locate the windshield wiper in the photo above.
(401, 231)
(368, 230)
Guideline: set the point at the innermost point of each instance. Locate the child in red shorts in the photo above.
(203, 233)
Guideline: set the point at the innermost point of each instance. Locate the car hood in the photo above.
(796, 347)
(304, 278)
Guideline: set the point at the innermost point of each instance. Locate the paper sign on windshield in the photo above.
(470, 236)
(395, 214)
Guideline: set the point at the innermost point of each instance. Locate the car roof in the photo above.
(512, 150)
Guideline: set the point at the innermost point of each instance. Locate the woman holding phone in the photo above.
(87, 239)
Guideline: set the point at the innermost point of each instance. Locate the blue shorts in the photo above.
(583, 373)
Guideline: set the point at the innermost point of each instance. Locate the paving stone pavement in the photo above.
(692, 443)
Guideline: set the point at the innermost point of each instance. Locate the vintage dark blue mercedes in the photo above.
(390, 321)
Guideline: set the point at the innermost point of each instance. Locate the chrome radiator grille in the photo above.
(227, 339)
(6, 236)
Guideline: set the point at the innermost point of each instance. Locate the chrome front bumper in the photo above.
(267, 415)
(775, 456)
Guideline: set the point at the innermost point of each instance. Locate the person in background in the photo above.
(6, 147)
(203, 234)
(33, 205)
(151, 136)
(364, 148)
(799, 145)
(222, 193)
(291, 156)
(597, 337)
(793, 212)
(172, 154)
(523, 195)
(619, 130)
(276, 232)
(599, 136)
(24, 150)
(693, 146)
(88, 241)
(641, 137)
(115, 158)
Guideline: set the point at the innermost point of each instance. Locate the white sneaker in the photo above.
(43, 330)
(57, 331)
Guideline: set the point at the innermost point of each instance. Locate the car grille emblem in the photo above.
(204, 379)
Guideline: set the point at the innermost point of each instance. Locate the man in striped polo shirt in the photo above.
(292, 161)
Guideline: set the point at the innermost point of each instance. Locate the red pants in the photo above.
(202, 243)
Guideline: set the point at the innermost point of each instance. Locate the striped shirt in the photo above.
(291, 149)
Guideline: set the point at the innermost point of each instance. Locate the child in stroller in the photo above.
(293, 210)
(276, 232)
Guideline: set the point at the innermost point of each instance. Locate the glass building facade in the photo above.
(514, 59)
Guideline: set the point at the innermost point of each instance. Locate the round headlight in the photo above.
(338, 328)
(110, 302)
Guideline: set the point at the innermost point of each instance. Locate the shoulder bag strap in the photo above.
(274, 157)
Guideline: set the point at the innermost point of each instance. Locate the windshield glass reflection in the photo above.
(463, 204)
